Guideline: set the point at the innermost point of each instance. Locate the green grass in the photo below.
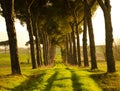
(57, 78)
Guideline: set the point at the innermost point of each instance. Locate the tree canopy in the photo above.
(58, 22)
(4, 43)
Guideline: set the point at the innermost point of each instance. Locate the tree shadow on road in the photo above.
(75, 81)
(50, 82)
(31, 83)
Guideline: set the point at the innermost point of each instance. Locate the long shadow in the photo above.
(31, 83)
(103, 78)
(75, 81)
(35, 80)
(50, 82)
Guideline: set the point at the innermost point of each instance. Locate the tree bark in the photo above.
(38, 49)
(63, 54)
(52, 53)
(46, 47)
(8, 13)
(71, 49)
(85, 53)
(30, 31)
(74, 45)
(106, 7)
(78, 44)
(44, 50)
(91, 37)
(67, 49)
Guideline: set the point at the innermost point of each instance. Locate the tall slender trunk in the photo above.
(85, 53)
(8, 12)
(67, 49)
(74, 45)
(52, 53)
(91, 37)
(38, 51)
(30, 30)
(106, 7)
(49, 46)
(45, 48)
(71, 50)
(78, 44)
(63, 54)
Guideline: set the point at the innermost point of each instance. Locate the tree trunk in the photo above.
(71, 50)
(45, 48)
(78, 44)
(38, 49)
(85, 53)
(63, 54)
(67, 49)
(8, 12)
(91, 37)
(30, 30)
(52, 53)
(106, 7)
(74, 45)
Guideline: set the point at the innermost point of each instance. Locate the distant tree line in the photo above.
(4, 44)
(57, 22)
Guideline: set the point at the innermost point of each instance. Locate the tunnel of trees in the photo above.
(57, 23)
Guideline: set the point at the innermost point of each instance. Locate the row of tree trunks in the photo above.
(76, 56)
(69, 49)
(69, 52)
(8, 12)
(52, 53)
(78, 43)
(38, 47)
(73, 44)
(45, 51)
(73, 50)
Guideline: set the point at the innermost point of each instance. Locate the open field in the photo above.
(57, 78)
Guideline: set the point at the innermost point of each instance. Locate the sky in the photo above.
(22, 34)
(98, 23)
(98, 26)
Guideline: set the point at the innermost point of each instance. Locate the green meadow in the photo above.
(58, 77)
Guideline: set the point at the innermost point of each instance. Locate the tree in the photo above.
(37, 38)
(74, 44)
(74, 11)
(30, 29)
(85, 53)
(106, 7)
(8, 13)
(50, 28)
(91, 36)
(5, 44)
(24, 14)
